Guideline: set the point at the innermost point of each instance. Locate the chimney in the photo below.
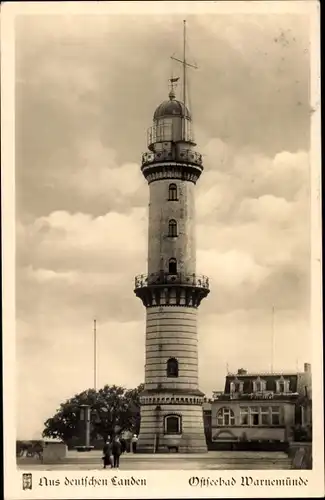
(307, 367)
(241, 371)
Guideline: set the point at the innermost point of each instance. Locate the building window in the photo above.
(172, 192)
(172, 266)
(254, 415)
(172, 424)
(275, 415)
(236, 386)
(172, 367)
(225, 416)
(282, 385)
(244, 416)
(172, 228)
(264, 416)
(259, 385)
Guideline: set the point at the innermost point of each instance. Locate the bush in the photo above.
(29, 448)
(302, 434)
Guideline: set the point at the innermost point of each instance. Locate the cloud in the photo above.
(232, 269)
(267, 208)
(103, 103)
(74, 267)
(82, 109)
(81, 241)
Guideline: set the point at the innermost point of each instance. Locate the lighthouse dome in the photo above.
(171, 107)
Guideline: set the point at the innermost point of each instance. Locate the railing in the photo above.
(217, 394)
(183, 156)
(162, 278)
(254, 395)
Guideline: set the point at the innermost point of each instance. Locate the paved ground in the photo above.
(217, 460)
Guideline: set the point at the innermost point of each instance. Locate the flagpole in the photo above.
(272, 338)
(184, 78)
(95, 356)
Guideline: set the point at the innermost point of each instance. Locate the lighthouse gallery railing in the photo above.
(183, 156)
(144, 280)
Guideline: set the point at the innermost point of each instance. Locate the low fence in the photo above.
(54, 452)
(248, 446)
(301, 455)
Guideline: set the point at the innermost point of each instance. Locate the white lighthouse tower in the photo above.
(171, 291)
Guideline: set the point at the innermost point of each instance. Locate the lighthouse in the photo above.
(171, 290)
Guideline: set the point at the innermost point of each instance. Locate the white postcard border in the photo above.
(160, 484)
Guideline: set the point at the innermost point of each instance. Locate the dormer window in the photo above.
(236, 385)
(282, 385)
(259, 385)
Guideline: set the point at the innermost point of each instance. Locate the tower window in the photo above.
(172, 266)
(172, 424)
(172, 192)
(172, 228)
(172, 367)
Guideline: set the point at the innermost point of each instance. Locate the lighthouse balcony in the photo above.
(182, 156)
(165, 289)
(163, 279)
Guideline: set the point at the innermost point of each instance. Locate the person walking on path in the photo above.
(123, 445)
(107, 454)
(134, 443)
(116, 450)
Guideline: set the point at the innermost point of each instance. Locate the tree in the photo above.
(113, 409)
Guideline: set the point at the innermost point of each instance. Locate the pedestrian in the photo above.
(107, 454)
(134, 443)
(116, 451)
(123, 445)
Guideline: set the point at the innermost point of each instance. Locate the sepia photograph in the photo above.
(163, 189)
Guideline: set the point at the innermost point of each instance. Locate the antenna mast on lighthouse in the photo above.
(184, 70)
(185, 65)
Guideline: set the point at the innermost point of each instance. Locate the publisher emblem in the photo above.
(27, 482)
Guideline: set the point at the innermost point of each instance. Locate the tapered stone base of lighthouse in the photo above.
(171, 291)
(171, 411)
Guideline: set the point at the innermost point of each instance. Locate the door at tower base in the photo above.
(172, 428)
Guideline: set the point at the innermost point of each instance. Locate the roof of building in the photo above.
(270, 380)
(262, 374)
(171, 107)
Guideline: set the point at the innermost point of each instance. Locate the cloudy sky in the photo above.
(86, 90)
